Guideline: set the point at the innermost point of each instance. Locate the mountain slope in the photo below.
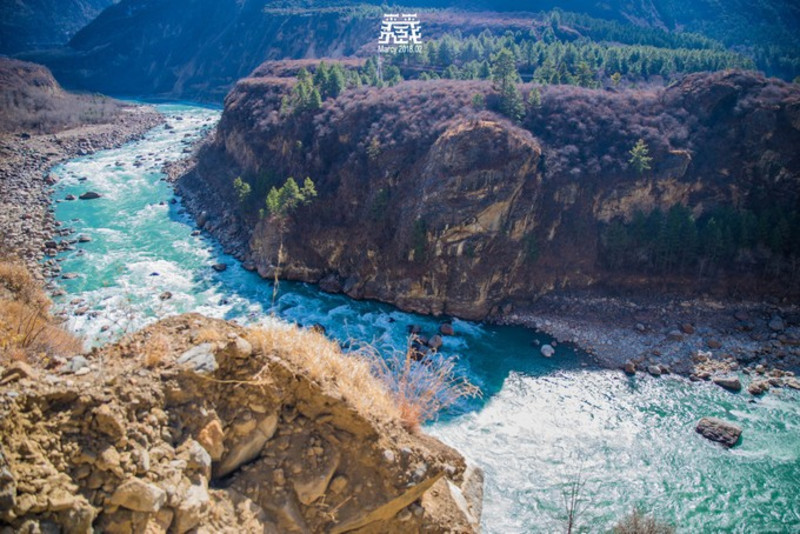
(35, 24)
(198, 48)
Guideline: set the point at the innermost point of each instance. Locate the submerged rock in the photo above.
(715, 429)
(547, 351)
(89, 195)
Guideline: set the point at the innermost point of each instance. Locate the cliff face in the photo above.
(199, 424)
(438, 208)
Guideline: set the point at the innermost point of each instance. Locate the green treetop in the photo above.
(639, 157)
(283, 200)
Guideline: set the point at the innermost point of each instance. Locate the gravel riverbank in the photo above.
(27, 226)
(697, 337)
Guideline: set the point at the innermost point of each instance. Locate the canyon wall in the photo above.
(436, 206)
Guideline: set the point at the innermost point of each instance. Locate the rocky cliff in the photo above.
(438, 207)
(199, 425)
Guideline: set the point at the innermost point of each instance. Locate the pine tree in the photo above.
(505, 76)
(336, 82)
(639, 157)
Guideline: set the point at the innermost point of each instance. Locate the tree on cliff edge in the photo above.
(281, 202)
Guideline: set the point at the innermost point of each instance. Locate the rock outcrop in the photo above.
(718, 430)
(200, 424)
(439, 208)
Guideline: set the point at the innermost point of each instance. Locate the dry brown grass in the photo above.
(395, 388)
(207, 335)
(421, 389)
(27, 331)
(19, 284)
(314, 356)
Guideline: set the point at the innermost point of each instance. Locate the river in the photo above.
(541, 423)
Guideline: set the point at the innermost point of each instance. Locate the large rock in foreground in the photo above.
(718, 430)
(271, 437)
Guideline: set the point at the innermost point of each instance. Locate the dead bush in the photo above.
(640, 523)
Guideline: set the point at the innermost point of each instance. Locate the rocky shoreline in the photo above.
(702, 338)
(27, 225)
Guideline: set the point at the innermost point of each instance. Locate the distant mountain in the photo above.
(195, 48)
(198, 48)
(36, 24)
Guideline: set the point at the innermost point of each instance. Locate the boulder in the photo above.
(247, 448)
(776, 324)
(89, 195)
(654, 370)
(435, 342)
(140, 496)
(758, 387)
(192, 506)
(712, 343)
(75, 364)
(311, 484)
(17, 371)
(687, 328)
(8, 486)
(731, 383)
(675, 335)
(446, 329)
(219, 267)
(109, 423)
(414, 329)
(629, 368)
(547, 351)
(70, 197)
(791, 382)
(718, 430)
(199, 359)
(211, 437)
(166, 295)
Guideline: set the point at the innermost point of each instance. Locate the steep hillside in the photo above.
(200, 424)
(32, 101)
(198, 49)
(210, 45)
(429, 203)
(36, 24)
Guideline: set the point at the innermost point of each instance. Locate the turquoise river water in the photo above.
(540, 422)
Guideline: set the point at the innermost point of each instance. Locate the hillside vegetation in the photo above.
(452, 208)
(216, 43)
(32, 101)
